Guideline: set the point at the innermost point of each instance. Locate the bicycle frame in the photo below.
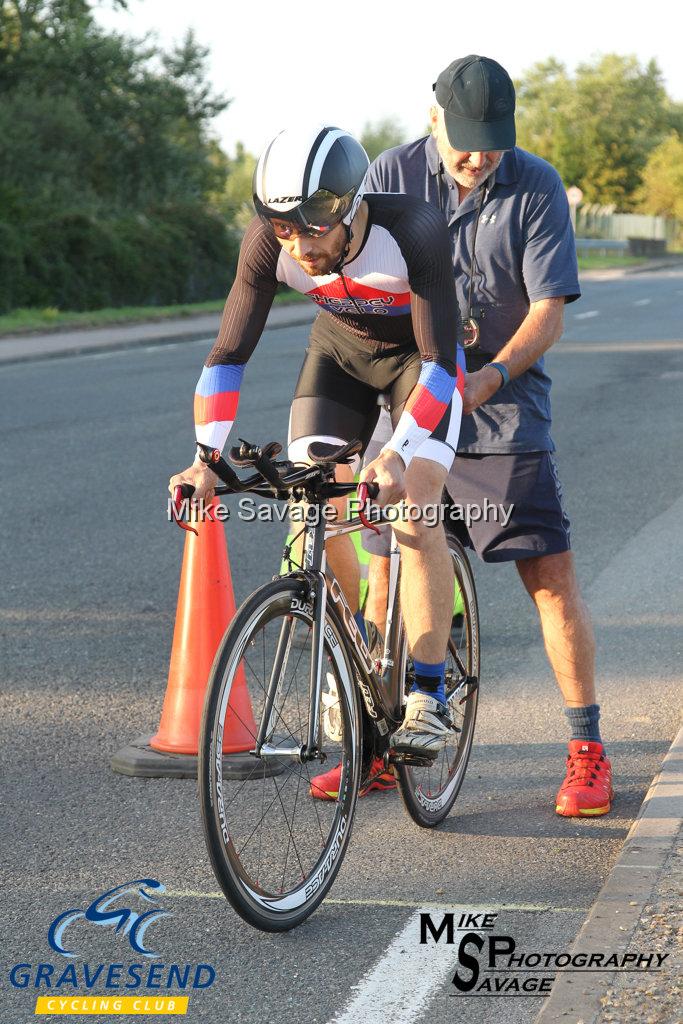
(381, 694)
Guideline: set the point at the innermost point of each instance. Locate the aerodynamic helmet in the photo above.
(310, 178)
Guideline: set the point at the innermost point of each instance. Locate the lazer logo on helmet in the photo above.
(285, 199)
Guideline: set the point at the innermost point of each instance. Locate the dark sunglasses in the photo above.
(285, 229)
(315, 217)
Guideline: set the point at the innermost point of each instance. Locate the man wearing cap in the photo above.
(515, 268)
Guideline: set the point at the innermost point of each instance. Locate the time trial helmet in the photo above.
(309, 180)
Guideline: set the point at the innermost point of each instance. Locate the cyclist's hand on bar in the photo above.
(199, 476)
(388, 472)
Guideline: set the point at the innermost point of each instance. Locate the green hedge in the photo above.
(76, 261)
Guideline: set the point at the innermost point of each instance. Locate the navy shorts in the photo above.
(536, 525)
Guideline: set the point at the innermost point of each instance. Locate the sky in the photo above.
(354, 61)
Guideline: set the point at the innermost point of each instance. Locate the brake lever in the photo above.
(365, 492)
(180, 492)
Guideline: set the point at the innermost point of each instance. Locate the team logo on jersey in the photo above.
(352, 297)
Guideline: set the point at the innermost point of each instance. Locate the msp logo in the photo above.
(125, 920)
(142, 986)
(490, 965)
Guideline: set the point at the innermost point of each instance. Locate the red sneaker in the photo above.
(587, 788)
(326, 787)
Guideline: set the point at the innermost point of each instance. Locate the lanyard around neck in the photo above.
(473, 258)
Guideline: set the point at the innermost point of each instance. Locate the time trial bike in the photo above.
(294, 677)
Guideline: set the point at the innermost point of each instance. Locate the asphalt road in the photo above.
(90, 570)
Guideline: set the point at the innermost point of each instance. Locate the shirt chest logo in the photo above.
(349, 296)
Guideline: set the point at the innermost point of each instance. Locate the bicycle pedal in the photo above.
(410, 760)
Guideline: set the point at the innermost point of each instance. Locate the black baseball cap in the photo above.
(478, 99)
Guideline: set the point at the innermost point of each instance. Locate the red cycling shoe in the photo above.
(587, 788)
(326, 787)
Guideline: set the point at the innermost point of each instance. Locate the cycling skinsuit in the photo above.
(389, 323)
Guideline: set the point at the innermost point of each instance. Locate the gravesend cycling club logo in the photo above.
(487, 964)
(124, 919)
(127, 913)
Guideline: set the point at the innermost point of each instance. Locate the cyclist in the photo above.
(379, 268)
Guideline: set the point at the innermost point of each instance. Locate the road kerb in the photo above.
(84, 341)
(619, 905)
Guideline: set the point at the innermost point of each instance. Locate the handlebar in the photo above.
(271, 479)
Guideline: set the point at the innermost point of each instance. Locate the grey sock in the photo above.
(585, 723)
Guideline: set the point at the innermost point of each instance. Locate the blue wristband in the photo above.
(503, 371)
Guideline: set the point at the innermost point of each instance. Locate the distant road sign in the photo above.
(574, 195)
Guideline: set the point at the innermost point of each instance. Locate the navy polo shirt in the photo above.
(524, 251)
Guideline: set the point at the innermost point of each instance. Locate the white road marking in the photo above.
(400, 984)
(616, 347)
(587, 315)
(642, 302)
(636, 867)
(535, 908)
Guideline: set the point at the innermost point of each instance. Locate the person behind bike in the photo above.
(379, 269)
(514, 260)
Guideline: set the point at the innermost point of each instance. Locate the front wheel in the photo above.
(274, 850)
(429, 793)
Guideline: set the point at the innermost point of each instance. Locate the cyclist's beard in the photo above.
(324, 263)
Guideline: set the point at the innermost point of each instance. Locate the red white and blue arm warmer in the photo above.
(426, 407)
(215, 403)
(244, 317)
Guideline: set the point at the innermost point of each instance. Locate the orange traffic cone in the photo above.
(206, 606)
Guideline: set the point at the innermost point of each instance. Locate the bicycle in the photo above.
(274, 850)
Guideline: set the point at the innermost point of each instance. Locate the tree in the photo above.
(132, 133)
(622, 111)
(107, 155)
(380, 135)
(544, 117)
(598, 127)
(236, 201)
(662, 189)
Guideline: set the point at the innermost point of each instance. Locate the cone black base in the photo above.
(142, 761)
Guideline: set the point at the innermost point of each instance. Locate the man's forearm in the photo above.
(540, 329)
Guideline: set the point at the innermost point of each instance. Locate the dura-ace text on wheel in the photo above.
(275, 851)
(428, 793)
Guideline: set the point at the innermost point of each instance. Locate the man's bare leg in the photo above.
(378, 592)
(570, 645)
(427, 606)
(426, 568)
(567, 630)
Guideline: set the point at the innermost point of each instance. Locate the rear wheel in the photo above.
(274, 850)
(428, 793)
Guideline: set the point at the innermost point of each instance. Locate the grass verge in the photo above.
(26, 321)
(596, 261)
